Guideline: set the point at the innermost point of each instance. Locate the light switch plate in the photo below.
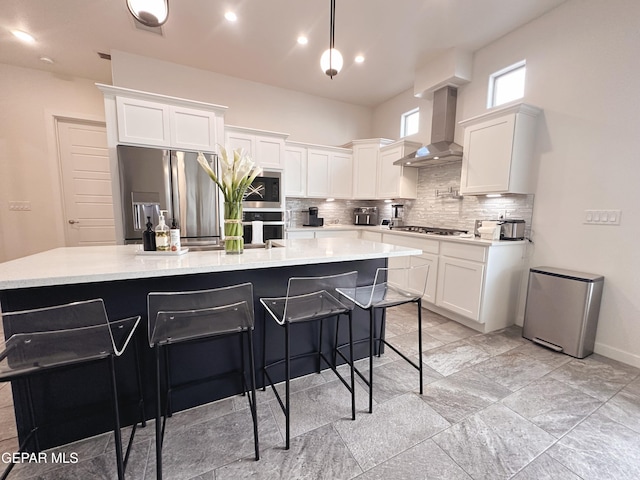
(602, 217)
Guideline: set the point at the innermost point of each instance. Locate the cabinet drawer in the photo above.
(372, 236)
(426, 245)
(467, 252)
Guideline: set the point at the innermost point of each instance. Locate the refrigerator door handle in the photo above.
(177, 162)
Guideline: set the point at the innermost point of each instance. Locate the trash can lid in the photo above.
(570, 274)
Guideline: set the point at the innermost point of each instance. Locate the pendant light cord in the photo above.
(332, 34)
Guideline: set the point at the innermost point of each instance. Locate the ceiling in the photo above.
(395, 36)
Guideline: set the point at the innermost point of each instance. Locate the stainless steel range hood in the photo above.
(442, 148)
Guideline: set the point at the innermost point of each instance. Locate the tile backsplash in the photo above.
(428, 209)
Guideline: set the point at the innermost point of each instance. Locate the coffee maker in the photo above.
(313, 220)
(398, 214)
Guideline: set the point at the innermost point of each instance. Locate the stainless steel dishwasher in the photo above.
(562, 310)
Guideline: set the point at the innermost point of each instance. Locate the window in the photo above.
(410, 122)
(506, 85)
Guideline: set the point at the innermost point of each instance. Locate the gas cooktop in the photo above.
(430, 230)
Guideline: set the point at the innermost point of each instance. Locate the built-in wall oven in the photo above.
(272, 225)
(265, 191)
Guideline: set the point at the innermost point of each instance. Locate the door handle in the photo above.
(72, 222)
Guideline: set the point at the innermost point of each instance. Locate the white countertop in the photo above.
(385, 230)
(63, 266)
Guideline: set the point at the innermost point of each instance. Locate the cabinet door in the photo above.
(234, 140)
(193, 129)
(365, 171)
(460, 286)
(389, 178)
(317, 173)
(486, 158)
(295, 172)
(417, 279)
(143, 122)
(340, 175)
(269, 152)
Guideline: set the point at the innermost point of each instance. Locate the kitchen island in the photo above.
(70, 401)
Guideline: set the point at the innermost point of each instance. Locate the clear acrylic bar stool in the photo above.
(196, 316)
(309, 299)
(62, 336)
(385, 293)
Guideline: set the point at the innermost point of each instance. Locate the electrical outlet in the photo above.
(20, 206)
(602, 217)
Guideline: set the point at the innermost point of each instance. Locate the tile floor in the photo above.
(495, 406)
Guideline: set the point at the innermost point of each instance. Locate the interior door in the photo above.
(86, 183)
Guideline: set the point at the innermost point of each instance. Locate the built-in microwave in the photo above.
(265, 191)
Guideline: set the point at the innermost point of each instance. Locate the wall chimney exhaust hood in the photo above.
(442, 149)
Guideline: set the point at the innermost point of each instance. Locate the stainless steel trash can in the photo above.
(562, 310)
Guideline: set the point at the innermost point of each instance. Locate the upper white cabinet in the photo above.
(143, 118)
(498, 151)
(396, 181)
(365, 166)
(295, 171)
(329, 172)
(265, 148)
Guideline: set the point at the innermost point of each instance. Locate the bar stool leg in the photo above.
(158, 418)
(254, 408)
(420, 342)
(264, 350)
(319, 366)
(242, 365)
(382, 327)
(116, 418)
(287, 368)
(353, 380)
(143, 413)
(372, 315)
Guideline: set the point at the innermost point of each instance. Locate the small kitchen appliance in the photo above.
(313, 219)
(512, 230)
(365, 216)
(398, 215)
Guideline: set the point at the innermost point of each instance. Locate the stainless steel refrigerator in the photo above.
(154, 179)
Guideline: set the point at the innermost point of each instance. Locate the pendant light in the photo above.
(331, 60)
(151, 13)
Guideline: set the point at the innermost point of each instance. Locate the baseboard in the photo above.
(617, 354)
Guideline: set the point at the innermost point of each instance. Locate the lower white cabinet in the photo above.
(307, 234)
(460, 286)
(476, 285)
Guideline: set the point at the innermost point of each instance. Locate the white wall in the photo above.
(29, 99)
(582, 70)
(306, 118)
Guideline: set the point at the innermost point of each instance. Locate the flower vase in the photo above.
(233, 239)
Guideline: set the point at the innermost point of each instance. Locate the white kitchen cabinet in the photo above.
(265, 148)
(166, 121)
(337, 233)
(295, 171)
(396, 181)
(460, 286)
(143, 122)
(365, 166)
(192, 129)
(498, 151)
(475, 284)
(329, 172)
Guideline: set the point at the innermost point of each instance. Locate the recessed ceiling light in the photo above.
(302, 40)
(232, 17)
(24, 36)
(47, 60)
(359, 59)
